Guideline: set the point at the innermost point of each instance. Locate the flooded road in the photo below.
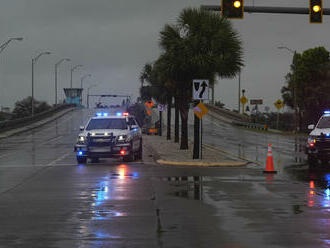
(47, 200)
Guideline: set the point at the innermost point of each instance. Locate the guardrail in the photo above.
(250, 125)
(229, 114)
(17, 123)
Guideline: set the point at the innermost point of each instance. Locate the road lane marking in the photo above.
(51, 140)
(59, 159)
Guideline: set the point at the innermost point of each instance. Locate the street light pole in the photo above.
(94, 85)
(5, 44)
(34, 60)
(81, 84)
(56, 69)
(83, 78)
(72, 69)
(294, 89)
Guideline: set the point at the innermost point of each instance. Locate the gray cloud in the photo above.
(114, 38)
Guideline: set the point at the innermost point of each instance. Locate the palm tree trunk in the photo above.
(176, 121)
(184, 111)
(169, 115)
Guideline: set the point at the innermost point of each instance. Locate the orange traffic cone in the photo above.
(270, 163)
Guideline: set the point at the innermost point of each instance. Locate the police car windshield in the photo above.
(324, 122)
(107, 124)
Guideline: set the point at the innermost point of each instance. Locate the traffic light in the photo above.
(232, 9)
(315, 11)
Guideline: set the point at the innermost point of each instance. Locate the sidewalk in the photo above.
(34, 125)
(167, 152)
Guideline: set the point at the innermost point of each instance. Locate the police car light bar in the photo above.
(327, 112)
(118, 114)
(102, 114)
(125, 114)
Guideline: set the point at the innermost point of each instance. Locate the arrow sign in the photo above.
(201, 89)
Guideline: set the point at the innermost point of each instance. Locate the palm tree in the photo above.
(208, 48)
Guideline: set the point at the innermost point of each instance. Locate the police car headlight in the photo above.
(122, 138)
(81, 139)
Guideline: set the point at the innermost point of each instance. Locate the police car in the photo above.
(107, 136)
(318, 144)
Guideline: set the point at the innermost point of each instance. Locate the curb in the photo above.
(34, 125)
(203, 164)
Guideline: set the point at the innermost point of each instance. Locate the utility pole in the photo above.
(239, 92)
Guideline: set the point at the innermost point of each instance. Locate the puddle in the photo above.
(187, 187)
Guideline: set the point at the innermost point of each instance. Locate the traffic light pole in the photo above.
(274, 10)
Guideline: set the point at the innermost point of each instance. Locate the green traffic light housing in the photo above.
(232, 9)
(315, 11)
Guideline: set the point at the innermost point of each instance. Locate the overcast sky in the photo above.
(113, 39)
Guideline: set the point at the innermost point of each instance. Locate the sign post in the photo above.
(279, 104)
(243, 100)
(200, 93)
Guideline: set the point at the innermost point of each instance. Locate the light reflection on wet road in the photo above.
(46, 200)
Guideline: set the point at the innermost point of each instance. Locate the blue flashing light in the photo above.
(135, 129)
(327, 112)
(119, 114)
(80, 153)
(102, 114)
(328, 134)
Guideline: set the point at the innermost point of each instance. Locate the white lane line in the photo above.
(59, 159)
(51, 140)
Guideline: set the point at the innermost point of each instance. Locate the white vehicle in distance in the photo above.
(318, 143)
(108, 136)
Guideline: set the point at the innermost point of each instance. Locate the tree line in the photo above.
(307, 85)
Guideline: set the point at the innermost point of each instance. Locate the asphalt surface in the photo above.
(47, 200)
(252, 145)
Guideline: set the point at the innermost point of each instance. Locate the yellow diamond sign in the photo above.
(200, 110)
(243, 100)
(279, 104)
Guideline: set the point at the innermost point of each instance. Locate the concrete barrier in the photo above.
(17, 123)
(250, 125)
(229, 114)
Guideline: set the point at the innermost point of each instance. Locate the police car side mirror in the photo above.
(311, 127)
(81, 128)
(134, 127)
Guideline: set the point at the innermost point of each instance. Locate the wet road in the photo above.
(47, 200)
(252, 145)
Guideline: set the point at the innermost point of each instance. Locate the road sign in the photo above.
(161, 107)
(279, 104)
(201, 89)
(200, 110)
(256, 102)
(243, 100)
(149, 105)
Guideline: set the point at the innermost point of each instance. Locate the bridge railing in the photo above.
(17, 123)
